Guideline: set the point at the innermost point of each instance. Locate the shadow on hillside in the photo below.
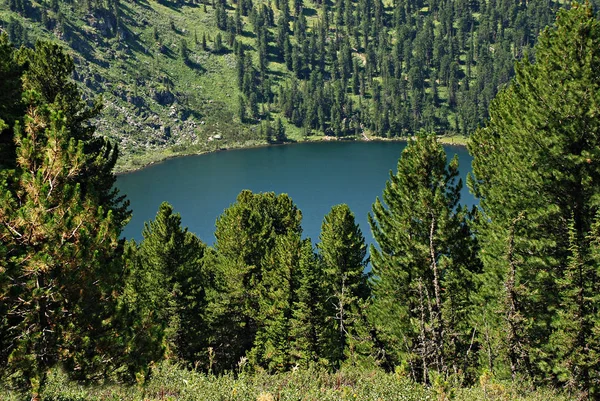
(80, 42)
(276, 76)
(309, 12)
(166, 51)
(274, 58)
(195, 66)
(248, 34)
(247, 47)
(176, 5)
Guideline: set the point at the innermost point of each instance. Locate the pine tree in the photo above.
(309, 331)
(184, 51)
(280, 131)
(253, 104)
(574, 340)
(246, 234)
(49, 74)
(61, 275)
(535, 175)
(423, 265)
(277, 292)
(218, 44)
(342, 251)
(166, 281)
(242, 108)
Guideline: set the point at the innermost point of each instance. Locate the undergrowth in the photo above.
(170, 382)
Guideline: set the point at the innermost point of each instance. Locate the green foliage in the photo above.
(423, 264)
(249, 242)
(170, 382)
(342, 252)
(165, 290)
(277, 295)
(308, 332)
(60, 271)
(536, 174)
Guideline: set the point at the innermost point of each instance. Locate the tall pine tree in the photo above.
(538, 180)
(166, 286)
(423, 264)
(342, 251)
(60, 266)
(245, 265)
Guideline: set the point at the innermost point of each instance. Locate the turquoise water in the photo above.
(316, 176)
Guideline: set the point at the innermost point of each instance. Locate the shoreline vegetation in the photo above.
(151, 158)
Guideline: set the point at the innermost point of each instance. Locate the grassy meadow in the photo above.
(170, 382)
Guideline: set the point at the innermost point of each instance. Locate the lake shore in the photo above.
(138, 162)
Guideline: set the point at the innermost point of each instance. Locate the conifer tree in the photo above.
(184, 51)
(49, 74)
(574, 337)
(309, 339)
(538, 182)
(60, 273)
(422, 265)
(280, 131)
(342, 251)
(277, 295)
(246, 233)
(242, 108)
(218, 44)
(167, 282)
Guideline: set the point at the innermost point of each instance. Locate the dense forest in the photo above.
(509, 290)
(194, 76)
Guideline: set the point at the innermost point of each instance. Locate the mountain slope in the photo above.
(186, 77)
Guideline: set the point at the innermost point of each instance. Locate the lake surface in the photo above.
(315, 175)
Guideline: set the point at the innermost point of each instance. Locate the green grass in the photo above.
(458, 140)
(171, 383)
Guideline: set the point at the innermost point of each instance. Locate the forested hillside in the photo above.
(189, 76)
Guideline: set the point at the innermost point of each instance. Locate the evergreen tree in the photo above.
(277, 292)
(49, 73)
(167, 282)
(61, 274)
(218, 44)
(309, 339)
(184, 51)
(538, 185)
(342, 251)
(280, 131)
(242, 108)
(424, 264)
(253, 104)
(246, 233)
